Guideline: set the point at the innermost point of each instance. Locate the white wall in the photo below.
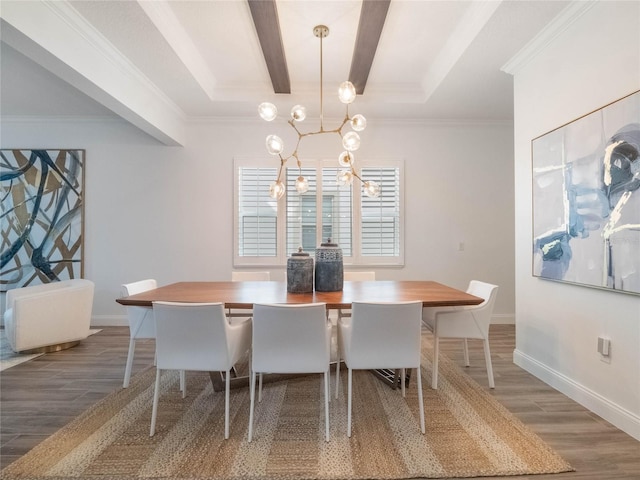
(595, 61)
(166, 212)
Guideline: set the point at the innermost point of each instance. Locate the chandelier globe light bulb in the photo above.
(358, 122)
(346, 159)
(267, 111)
(351, 141)
(275, 145)
(276, 190)
(298, 113)
(347, 92)
(345, 178)
(371, 189)
(302, 184)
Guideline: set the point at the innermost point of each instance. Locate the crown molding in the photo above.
(548, 34)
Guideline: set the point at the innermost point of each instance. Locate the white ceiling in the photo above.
(435, 59)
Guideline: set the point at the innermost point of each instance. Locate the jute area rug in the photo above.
(468, 434)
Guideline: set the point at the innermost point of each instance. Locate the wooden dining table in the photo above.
(243, 295)
(246, 294)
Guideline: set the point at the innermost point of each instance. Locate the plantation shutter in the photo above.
(380, 228)
(257, 213)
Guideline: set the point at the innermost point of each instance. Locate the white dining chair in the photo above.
(380, 336)
(290, 339)
(141, 324)
(463, 322)
(199, 337)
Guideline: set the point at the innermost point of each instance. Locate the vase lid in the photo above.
(299, 253)
(328, 243)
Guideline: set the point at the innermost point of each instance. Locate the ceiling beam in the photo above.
(74, 51)
(265, 19)
(372, 17)
(168, 25)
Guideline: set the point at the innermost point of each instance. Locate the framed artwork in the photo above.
(586, 199)
(42, 217)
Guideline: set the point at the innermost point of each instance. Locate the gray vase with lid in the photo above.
(329, 267)
(300, 272)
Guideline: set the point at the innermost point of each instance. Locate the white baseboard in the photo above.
(109, 321)
(623, 419)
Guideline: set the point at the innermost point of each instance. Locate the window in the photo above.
(266, 231)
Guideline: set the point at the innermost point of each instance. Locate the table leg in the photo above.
(392, 377)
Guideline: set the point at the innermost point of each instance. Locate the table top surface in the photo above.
(245, 294)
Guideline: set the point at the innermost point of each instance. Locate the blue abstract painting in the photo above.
(586, 199)
(41, 217)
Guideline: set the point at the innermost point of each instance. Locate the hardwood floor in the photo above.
(42, 395)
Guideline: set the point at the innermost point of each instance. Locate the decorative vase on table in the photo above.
(329, 267)
(300, 272)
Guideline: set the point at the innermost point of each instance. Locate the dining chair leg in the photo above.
(183, 383)
(487, 357)
(327, 395)
(436, 355)
(226, 404)
(420, 399)
(154, 409)
(260, 388)
(252, 393)
(349, 379)
(129, 364)
(403, 377)
(465, 346)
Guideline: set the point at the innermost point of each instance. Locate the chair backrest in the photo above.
(385, 335)
(250, 276)
(290, 338)
(191, 336)
(140, 318)
(359, 276)
(482, 313)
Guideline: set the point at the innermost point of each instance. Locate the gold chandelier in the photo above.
(350, 140)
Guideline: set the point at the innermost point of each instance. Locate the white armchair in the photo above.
(197, 336)
(48, 317)
(290, 339)
(463, 322)
(381, 335)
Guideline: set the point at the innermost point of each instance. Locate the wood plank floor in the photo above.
(40, 396)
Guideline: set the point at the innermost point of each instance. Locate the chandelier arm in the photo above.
(282, 161)
(293, 125)
(353, 171)
(321, 103)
